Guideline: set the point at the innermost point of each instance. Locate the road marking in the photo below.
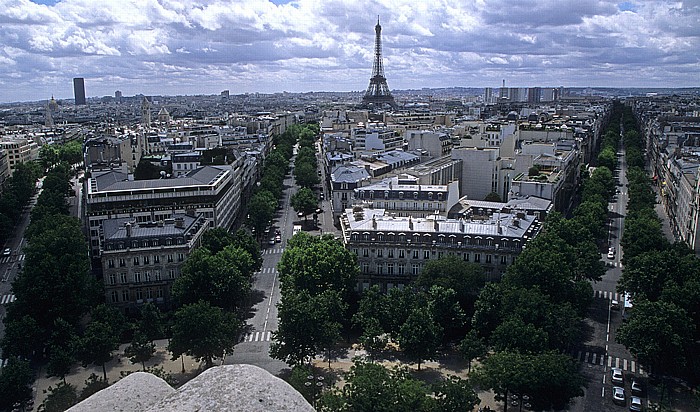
(624, 364)
(617, 363)
(632, 366)
(595, 355)
(609, 361)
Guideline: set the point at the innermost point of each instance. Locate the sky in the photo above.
(179, 47)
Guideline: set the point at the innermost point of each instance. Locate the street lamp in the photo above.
(314, 384)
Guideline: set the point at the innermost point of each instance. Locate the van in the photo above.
(296, 229)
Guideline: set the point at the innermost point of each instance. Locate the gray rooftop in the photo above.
(115, 181)
(115, 229)
(349, 174)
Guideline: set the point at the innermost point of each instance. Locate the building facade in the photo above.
(140, 261)
(391, 251)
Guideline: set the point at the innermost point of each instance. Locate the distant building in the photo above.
(19, 150)
(118, 95)
(140, 261)
(79, 91)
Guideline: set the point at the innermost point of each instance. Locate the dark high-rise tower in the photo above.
(378, 93)
(79, 90)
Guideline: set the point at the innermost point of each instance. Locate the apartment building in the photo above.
(214, 191)
(142, 260)
(392, 250)
(19, 150)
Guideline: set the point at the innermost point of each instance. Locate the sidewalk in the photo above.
(119, 364)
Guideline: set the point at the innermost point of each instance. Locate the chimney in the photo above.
(190, 212)
(374, 223)
(127, 225)
(410, 223)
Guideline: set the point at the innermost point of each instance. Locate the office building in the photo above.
(79, 91)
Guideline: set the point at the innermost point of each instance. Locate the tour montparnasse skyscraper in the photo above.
(378, 94)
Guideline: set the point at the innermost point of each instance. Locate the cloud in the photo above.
(181, 46)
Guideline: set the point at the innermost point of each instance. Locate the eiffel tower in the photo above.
(378, 94)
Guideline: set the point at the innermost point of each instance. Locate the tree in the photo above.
(151, 322)
(420, 335)
(146, 170)
(204, 332)
(60, 398)
(472, 347)
(304, 201)
(517, 336)
(318, 264)
(465, 278)
(22, 337)
(93, 384)
(454, 395)
(305, 175)
(307, 325)
(140, 350)
(493, 197)
(246, 242)
(261, 210)
(48, 155)
(658, 334)
(62, 349)
(15, 383)
(371, 387)
(215, 279)
(97, 345)
(216, 239)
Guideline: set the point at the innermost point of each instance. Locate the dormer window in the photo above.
(415, 195)
(430, 195)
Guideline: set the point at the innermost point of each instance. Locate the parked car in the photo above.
(272, 240)
(637, 388)
(278, 239)
(615, 304)
(611, 253)
(635, 404)
(617, 376)
(7, 251)
(619, 395)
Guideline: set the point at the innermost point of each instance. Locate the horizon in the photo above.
(174, 48)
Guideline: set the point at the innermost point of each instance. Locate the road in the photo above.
(601, 352)
(254, 347)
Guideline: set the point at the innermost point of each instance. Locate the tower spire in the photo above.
(378, 93)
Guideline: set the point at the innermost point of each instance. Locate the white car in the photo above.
(635, 404)
(617, 376)
(7, 251)
(619, 395)
(611, 253)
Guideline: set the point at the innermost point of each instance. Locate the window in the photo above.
(139, 295)
(380, 252)
(148, 276)
(115, 296)
(112, 278)
(137, 277)
(466, 257)
(136, 260)
(156, 274)
(149, 293)
(146, 260)
(402, 268)
(391, 253)
(426, 254)
(503, 260)
(365, 267)
(390, 268)
(156, 259)
(171, 274)
(355, 251)
(380, 268)
(170, 258)
(125, 295)
(110, 263)
(180, 257)
(401, 254)
(365, 252)
(159, 293)
(415, 269)
(122, 263)
(122, 278)
(415, 254)
(477, 257)
(488, 258)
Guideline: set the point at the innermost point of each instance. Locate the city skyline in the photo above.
(171, 47)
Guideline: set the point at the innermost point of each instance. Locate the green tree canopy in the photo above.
(97, 344)
(204, 332)
(304, 201)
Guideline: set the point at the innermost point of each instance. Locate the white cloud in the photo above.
(256, 45)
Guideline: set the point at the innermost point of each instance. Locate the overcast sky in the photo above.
(206, 46)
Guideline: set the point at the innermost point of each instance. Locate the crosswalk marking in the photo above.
(7, 259)
(599, 358)
(267, 270)
(7, 299)
(273, 250)
(257, 337)
(604, 294)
